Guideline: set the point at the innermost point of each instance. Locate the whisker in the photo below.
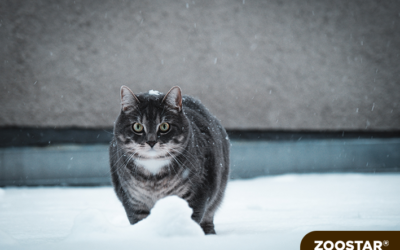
(132, 154)
(190, 187)
(187, 158)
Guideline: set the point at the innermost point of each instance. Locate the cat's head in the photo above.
(151, 125)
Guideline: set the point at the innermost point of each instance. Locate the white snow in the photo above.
(154, 92)
(263, 213)
(170, 216)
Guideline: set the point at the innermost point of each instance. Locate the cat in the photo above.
(168, 144)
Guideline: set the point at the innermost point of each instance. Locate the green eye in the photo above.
(164, 127)
(137, 127)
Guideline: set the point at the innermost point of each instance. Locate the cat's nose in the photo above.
(151, 143)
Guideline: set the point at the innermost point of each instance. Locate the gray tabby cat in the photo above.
(168, 145)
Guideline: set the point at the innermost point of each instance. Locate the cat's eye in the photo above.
(137, 127)
(164, 127)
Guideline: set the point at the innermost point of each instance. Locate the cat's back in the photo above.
(207, 128)
(197, 113)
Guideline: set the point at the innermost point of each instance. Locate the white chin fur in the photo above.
(152, 165)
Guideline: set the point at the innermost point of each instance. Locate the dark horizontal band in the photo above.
(25, 136)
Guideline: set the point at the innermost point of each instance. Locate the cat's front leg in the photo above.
(198, 213)
(136, 216)
(206, 224)
(134, 213)
(199, 205)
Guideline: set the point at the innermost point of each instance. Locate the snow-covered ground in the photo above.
(263, 213)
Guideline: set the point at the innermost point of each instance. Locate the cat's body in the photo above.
(190, 159)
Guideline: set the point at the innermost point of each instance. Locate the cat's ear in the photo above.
(174, 98)
(128, 99)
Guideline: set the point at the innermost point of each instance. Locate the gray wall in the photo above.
(318, 64)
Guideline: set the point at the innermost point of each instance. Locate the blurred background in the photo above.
(301, 86)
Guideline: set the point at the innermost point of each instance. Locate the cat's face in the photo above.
(151, 125)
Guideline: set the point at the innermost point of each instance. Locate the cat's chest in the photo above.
(153, 165)
(149, 191)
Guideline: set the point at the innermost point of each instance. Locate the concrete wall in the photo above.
(317, 64)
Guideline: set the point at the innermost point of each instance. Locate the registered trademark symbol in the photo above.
(386, 243)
